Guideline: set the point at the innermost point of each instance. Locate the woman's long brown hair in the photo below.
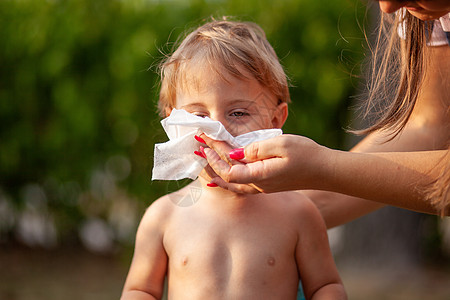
(396, 71)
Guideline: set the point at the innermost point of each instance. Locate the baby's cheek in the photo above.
(238, 128)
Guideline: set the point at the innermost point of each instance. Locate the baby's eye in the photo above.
(239, 114)
(201, 115)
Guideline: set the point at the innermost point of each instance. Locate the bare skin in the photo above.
(427, 130)
(230, 246)
(393, 174)
(422, 9)
(332, 170)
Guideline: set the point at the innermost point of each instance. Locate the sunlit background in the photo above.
(78, 121)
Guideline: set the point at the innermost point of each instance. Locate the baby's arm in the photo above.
(145, 279)
(315, 262)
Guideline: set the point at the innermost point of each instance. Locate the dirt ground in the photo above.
(30, 274)
(426, 283)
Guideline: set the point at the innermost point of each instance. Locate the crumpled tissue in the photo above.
(175, 159)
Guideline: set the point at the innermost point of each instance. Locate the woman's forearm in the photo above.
(337, 209)
(290, 162)
(398, 179)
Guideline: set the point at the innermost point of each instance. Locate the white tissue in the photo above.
(175, 159)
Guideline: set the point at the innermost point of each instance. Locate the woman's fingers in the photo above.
(255, 151)
(234, 171)
(235, 187)
(210, 174)
(212, 177)
(286, 162)
(220, 167)
(220, 147)
(237, 173)
(261, 150)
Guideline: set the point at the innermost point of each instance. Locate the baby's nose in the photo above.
(218, 117)
(231, 127)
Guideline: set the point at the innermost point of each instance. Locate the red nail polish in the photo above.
(199, 139)
(212, 184)
(199, 154)
(237, 153)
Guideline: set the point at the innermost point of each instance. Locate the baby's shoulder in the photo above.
(292, 199)
(164, 207)
(158, 212)
(160, 206)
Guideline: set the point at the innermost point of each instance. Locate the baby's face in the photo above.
(241, 105)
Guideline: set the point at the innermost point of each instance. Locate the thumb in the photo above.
(262, 150)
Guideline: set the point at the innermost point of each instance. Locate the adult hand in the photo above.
(286, 162)
(211, 176)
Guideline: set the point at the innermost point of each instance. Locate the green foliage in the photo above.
(78, 89)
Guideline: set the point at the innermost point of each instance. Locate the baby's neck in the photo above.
(218, 196)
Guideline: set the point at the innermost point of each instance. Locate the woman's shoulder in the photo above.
(296, 203)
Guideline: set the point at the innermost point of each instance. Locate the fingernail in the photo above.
(212, 184)
(237, 153)
(202, 150)
(199, 139)
(199, 154)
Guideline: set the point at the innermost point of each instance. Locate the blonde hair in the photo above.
(223, 46)
(397, 69)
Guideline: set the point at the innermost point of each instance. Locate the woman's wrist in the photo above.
(314, 164)
(326, 160)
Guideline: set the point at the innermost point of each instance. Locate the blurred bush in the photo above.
(78, 92)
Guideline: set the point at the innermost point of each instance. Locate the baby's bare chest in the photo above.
(230, 246)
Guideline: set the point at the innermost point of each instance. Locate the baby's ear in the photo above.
(280, 115)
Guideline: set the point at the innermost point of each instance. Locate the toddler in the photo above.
(228, 245)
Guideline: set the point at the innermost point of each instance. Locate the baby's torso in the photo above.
(237, 253)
